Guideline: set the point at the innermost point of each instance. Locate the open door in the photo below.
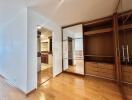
(45, 56)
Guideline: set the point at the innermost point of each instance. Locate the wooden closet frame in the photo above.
(115, 29)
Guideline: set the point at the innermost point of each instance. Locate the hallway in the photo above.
(67, 87)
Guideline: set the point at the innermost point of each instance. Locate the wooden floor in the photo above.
(128, 92)
(75, 69)
(44, 75)
(68, 87)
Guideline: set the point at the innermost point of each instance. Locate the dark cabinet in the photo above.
(44, 58)
(125, 47)
(108, 47)
(99, 49)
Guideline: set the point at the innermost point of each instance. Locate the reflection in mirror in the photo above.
(73, 49)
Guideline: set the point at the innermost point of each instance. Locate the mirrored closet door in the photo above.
(73, 59)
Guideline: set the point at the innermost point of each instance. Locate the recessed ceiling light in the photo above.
(39, 27)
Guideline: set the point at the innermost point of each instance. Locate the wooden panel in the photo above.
(44, 58)
(127, 77)
(129, 26)
(99, 45)
(126, 38)
(100, 69)
(93, 64)
(106, 70)
(91, 68)
(92, 72)
(98, 31)
(127, 69)
(127, 74)
(106, 66)
(106, 74)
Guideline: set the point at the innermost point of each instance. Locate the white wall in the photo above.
(38, 58)
(13, 50)
(35, 19)
(18, 48)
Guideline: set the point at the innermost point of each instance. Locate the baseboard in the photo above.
(12, 85)
(110, 79)
(77, 74)
(58, 74)
(27, 94)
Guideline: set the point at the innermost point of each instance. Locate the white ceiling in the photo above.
(66, 12)
(63, 12)
(45, 33)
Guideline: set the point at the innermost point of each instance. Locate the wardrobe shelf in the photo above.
(124, 27)
(105, 30)
(99, 56)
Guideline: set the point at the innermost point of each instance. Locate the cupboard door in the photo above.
(126, 55)
(73, 58)
(91, 68)
(106, 70)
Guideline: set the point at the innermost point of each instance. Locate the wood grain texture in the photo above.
(68, 87)
(124, 27)
(44, 75)
(105, 30)
(100, 69)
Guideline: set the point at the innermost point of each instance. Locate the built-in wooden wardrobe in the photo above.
(125, 46)
(108, 47)
(99, 53)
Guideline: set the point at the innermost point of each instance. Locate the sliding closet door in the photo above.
(125, 38)
(73, 59)
(126, 55)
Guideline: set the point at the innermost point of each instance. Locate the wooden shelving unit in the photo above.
(125, 39)
(98, 49)
(124, 27)
(99, 56)
(105, 30)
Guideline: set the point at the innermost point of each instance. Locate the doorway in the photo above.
(45, 55)
(70, 51)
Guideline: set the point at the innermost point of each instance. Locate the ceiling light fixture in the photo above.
(39, 27)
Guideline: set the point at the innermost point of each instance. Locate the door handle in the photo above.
(123, 51)
(127, 53)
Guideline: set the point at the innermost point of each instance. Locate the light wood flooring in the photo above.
(75, 69)
(68, 87)
(44, 75)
